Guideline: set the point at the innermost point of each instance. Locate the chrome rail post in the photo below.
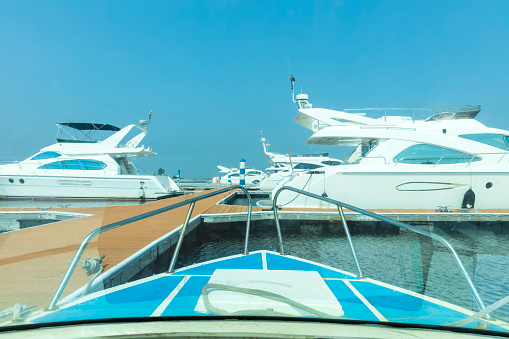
(276, 218)
(181, 238)
(70, 269)
(352, 249)
(400, 224)
(74, 262)
(248, 224)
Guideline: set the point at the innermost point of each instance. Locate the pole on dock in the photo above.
(178, 176)
(230, 178)
(242, 172)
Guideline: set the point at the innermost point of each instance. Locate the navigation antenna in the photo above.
(292, 80)
(145, 122)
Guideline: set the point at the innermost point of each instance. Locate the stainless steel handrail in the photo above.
(86, 240)
(400, 224)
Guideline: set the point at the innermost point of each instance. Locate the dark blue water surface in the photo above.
(394, 256)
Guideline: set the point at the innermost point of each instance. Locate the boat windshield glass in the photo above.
(131, 221)
(46, 155)
(424, 154)
(496, 140)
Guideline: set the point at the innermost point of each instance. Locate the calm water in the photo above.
(401, 258)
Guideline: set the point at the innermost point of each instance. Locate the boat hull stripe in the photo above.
(160, 309)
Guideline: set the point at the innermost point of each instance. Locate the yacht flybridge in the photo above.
(79, 166)
(448, 160)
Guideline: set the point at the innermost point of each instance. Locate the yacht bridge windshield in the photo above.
(83, 132)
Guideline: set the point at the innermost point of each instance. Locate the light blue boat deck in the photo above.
(177, 294)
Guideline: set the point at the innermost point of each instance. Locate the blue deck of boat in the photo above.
(177, 295)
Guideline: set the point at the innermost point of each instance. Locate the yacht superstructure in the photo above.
(81, 167)
(449, 160)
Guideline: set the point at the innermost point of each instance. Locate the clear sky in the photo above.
(215, 72)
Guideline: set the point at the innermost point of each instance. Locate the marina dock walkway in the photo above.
(34, 260)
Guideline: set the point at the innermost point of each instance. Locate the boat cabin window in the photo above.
(306, 166)
(235, 175)
(361, 151)
(46, 155)
(331, 163)
(77, 164)
(254, 173)
(496, 140)
(423, 154)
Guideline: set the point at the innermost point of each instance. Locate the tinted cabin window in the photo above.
(306, 166)
(331, 163)
(253, 173)
(496, 140)
(429, 155)
(46, 155)
(87, 165)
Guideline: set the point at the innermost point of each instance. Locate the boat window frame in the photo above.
(253, 173)
(331, 162)
(505, 139)
(69, 164)
(434, 159)
(46, 155)
(306, 166)
(362, 150)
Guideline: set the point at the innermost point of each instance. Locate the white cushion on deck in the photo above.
(305, 287)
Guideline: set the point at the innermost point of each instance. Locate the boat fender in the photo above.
(468, 199)
(141, 191)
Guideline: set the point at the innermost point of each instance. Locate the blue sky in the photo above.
(215, 72)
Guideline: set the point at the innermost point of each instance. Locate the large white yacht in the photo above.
(283, 165)
(447, 161)
(79, 166)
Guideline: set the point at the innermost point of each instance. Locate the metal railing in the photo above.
(436, 159)
(74, 262)
(396, 223)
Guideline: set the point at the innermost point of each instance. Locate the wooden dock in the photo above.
(34, 260)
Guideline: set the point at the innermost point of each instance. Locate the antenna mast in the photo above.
(292, 80)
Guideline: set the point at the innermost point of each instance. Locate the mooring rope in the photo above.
(259, 293)
(481, 313)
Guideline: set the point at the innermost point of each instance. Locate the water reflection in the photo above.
(385, 253)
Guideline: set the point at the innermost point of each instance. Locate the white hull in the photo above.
(107, 187)
(399, 189)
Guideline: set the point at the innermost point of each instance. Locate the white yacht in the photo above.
(79, 166)
(252, 176)
(284, 165)
(447, 161)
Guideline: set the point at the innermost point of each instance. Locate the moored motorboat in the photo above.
(449, 160)
(80, 166)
